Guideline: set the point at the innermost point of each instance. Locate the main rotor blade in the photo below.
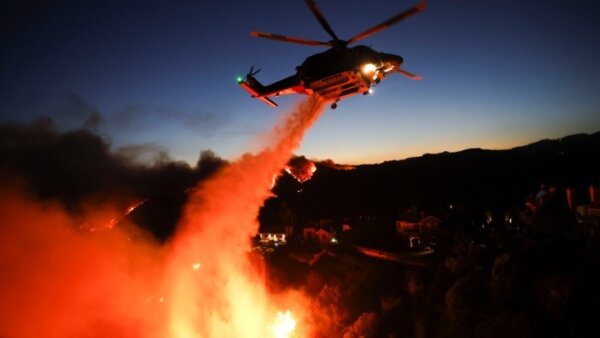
(389, 22)
(319, 15)
(409, 74)
(289, 39)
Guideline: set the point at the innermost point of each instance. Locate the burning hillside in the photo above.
(61, 280)
(301, 168)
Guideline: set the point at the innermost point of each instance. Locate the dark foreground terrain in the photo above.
(503, 285)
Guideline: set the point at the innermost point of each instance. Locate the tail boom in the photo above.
(252, 86)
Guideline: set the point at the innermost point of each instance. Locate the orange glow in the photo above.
(284, 325)
(301, 169)
(228, 298)
(60, 280)
(71, 282)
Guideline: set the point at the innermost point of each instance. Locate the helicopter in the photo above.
(337, 73)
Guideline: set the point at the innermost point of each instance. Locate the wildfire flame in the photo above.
(229, 298)
(285, 325)
(203, 283)
(301, 169)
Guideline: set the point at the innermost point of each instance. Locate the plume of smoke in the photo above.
(59, 281)
(78, 165)
(225, 297)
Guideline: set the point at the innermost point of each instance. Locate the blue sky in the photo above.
(496, 73)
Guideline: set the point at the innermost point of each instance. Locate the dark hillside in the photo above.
(473, 178)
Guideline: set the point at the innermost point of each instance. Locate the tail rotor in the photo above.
(253, 72)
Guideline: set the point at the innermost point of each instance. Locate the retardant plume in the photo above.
(84, 276)
(225, 296)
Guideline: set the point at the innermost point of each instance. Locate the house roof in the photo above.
(323, 231)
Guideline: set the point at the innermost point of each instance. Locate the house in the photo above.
(430, 223)
(319, 236)
(274, 236)
(427, 224)
(418, 234)
(324, 237)
(405, 226)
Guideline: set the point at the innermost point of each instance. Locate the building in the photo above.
(429, 223)
(274, 236)
(419, 234)
(319, 236)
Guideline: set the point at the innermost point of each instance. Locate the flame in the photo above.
(70, 282)
(285, 325)
(114, 220)
(229, 298)
(203, 283)
(301, 169)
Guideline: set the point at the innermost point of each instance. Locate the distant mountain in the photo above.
(472, 178)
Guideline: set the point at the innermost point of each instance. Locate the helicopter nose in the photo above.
(395, 60)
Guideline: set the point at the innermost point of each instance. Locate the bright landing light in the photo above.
(284, 325)
(368, 69)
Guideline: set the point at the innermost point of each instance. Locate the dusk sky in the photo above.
(497, 73)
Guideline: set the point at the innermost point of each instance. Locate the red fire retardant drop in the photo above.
(58, 280)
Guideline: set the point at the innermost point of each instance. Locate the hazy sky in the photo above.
(496, 73)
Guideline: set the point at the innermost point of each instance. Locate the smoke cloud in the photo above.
(60, 281)
(78, 165)
(76, 113)
(331, 164)
(60, 278)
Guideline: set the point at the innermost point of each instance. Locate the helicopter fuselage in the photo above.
(340, 59)
(333, 74)
(340, 71)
